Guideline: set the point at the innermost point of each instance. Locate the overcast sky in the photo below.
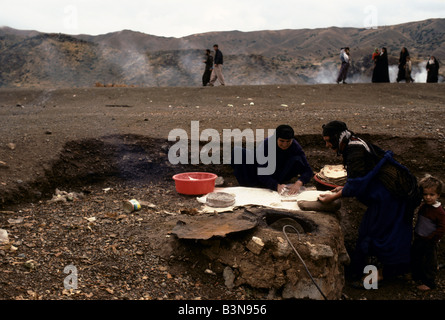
(178, 18)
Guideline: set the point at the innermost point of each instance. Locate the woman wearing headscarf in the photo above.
(432, 68)
(388, 190)
(208, 68)
(402, 62)
(381, 71)
(375, 59)
(290, 162)
(383, 66)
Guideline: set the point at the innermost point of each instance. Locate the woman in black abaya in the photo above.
(432, 68)
(381, 73)
(383, 66)
(402, 61)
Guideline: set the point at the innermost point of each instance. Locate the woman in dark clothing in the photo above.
(290, 162)
(383, 66)
(385, 231)
(208, 69)
(402, 61)
(381, 72)
(375, 59)
(432, 68)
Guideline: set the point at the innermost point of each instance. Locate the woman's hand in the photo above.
(337, 189)
(329, 197)
(295, 188)
(281, 188)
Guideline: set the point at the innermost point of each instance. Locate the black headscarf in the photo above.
(333, 130)
(284, 132)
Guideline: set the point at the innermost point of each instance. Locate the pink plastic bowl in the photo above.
(195, 183)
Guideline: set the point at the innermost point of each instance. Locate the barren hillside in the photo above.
(34, 59)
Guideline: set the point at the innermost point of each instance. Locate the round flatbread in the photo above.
(220, 199)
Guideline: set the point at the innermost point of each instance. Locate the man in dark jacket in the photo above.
(217, 67)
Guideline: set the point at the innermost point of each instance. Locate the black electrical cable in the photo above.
(304, 264)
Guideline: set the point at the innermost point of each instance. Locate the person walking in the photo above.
(208, 68)
(217, 68)
(345, 61)
(381, 70)
(408, 70)
(375, 59)
(432, 68)
(383, 66)
(402, 62)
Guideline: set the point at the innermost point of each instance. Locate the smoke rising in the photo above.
(328, 74)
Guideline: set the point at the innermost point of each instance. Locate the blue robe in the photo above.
(385, 231)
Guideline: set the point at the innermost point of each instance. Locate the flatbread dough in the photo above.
(334, 171)
(220, 199)
(333, 174)
(245, 196)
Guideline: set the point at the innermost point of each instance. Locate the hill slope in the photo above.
(33, 59)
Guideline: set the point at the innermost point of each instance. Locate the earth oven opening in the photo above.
(276, 220)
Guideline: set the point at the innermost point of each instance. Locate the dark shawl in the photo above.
(290, 163)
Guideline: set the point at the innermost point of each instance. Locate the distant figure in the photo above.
(408, 69)
(381, 71)
(432, 67)
(208, 68)
(402, 61)
(345, 61)
(384, 67)
(375, 54)
(217, 68)
(375, 58)
(429, 229)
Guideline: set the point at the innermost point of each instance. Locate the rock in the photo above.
(283, 249)
(30, 264)
(15, 221)
(255, 245)
(11, 146)
(208, 271)
(344, 258)
(229, 277)
(65, 196)
(320, 251)
(4, 239)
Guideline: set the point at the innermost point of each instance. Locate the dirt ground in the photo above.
(106, 145)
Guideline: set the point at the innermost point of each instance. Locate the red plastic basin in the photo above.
(195, 183)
